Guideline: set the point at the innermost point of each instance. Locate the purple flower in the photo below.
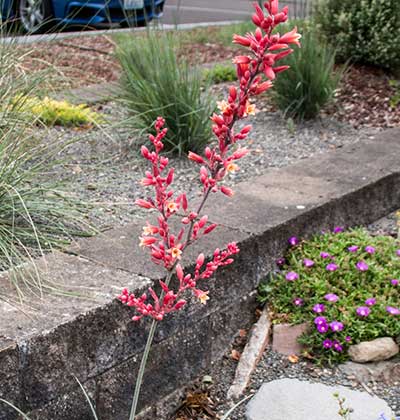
(362, 266)
(363, 311)
(319, 308)
(325, 255)
(336, 326)
(370, 249)
(331, 297)
(293, 241)
(348, 338)
(292, 276)
(327, 344)
(338, 229)
(331, 267)
(280, 262)
(398, 252)
(394, 282)
(322, 328)
(337, 346)
(308, 263)
(353, 248)
(392, 310)
(370, 301)
(298, 301)
(320, 320)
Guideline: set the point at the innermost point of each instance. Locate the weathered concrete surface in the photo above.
(291, 399)
(93, 339)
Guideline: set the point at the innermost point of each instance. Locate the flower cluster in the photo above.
(255, 72)
(345, 283)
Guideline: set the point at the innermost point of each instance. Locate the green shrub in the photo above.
(316, 284)
(155, 83)
(366, 31)
(34, 215)
(221, 74)
(51, 112)
(311, 81)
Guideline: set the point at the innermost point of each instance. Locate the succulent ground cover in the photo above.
(345, 284)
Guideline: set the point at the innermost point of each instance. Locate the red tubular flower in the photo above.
(291, 37)
(255, 71)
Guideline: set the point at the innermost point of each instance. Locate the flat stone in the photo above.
(387, 372)
(376, 350)
(258, 341)
(291, 399)
(285, 338)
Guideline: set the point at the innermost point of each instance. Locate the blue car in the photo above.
(37, 15)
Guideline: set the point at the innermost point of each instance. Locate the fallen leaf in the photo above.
(293, 358)
(235, 355)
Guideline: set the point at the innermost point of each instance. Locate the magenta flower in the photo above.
(292, 276)
(362, 266)
(392, 310)
(319, 308)
(394, 282)
(353, 248)
(298, 301)
(320, 320)
(363, 311)
(370, 301)
(336, 326)
(280, 262)
(325, 255)
(331, 297)
(398, 252)
(293, 241)
(370, 249)
(331, 267)
(338, 229)
(337, 346)
(322, 328)
(327, 344)
(308, 263)
(348, 339)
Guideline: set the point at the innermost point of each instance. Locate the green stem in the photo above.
(139, 379)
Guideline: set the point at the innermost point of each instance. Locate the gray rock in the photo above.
(374, 351)
(387, 372)
(291, 399)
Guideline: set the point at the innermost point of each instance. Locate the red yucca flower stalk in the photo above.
(255, 72)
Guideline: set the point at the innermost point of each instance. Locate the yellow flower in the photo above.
(250, 109)
(223, 106)
(172, 207)
(176, 253)
(232, 167)
(203, 297)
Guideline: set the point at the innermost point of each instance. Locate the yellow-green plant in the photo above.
(51, 112)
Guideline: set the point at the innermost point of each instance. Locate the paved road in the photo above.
(194, 11)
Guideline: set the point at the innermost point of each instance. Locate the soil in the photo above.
(363, 99)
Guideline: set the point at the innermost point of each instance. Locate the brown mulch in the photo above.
(363, 99)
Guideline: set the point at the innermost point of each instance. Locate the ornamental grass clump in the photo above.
(156, 82)
(256, 69)
(312, 81)
(35, 215)
(345, 284)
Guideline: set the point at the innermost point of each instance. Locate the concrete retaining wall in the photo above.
(59, 337)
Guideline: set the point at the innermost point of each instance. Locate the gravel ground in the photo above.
(274, 366)
(103, 168)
